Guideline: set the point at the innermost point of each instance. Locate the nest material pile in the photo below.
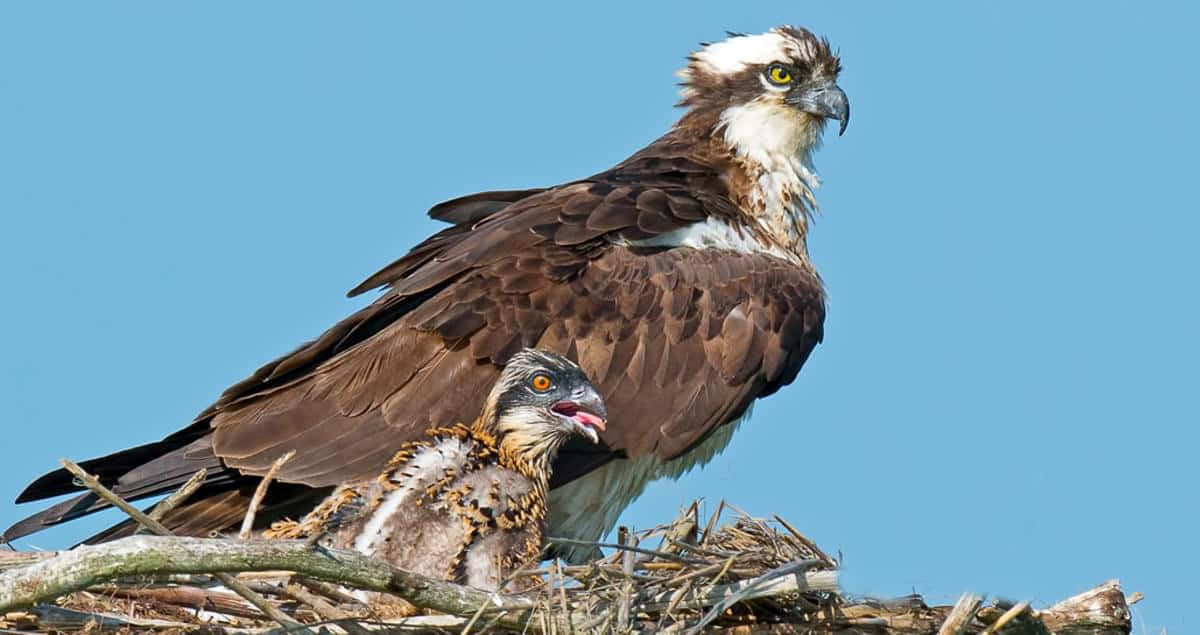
(733, 574)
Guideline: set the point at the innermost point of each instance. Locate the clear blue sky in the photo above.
(1006, 401)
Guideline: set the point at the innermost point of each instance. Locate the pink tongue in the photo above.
(589, 419)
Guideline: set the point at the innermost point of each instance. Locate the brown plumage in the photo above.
(679, 280)
(468, 503)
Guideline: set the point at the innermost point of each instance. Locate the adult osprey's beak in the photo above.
(825, 100)
(585, 409)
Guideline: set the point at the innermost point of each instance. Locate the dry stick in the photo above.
(268, 588)
(330, 591)
(562, 588)
(681, 530)
(698, 550)
(423, 623)
(961, 615)
(260, 492)
(746, 590)
(628, 539)
(611, 545)
(475, 618)
(327, 611)
(650, 565)
(12, 559)
(176, 498)
(792, 570)
(676, 598)
(684, 577)
(723, 571)
(804, 540)
(483, 605)
(192, 598)
(712, 521)
(292, 590)
(1008, 616)
(235, 585)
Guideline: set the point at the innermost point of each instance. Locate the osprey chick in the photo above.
(467, 504)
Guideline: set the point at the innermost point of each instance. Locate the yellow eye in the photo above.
(541, 383)
(778, 74)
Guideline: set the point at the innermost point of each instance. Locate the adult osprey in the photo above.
(467, 504)
(679, 280)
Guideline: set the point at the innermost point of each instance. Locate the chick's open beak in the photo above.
(586, 411)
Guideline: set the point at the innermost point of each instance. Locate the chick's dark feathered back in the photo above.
(454, 506)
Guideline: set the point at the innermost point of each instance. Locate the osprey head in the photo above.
(787, 70)
(764, 100)
(541, 399)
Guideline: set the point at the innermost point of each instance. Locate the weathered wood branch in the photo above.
(961, 615)
(237, 586)
(1099, 610)
(86, 566)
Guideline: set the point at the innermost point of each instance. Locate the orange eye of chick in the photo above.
(541, 383)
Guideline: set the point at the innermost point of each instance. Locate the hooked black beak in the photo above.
(586, 411)
(826, 100)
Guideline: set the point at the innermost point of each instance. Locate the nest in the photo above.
(734, 573)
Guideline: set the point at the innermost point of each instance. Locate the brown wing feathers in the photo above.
(679, 341)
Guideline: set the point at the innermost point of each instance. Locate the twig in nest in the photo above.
(520, 570)
(676, 597)
(188, 598)
(235, 585)
(779, 572)
(629, 541)
(1009, 615)
(723, 571)
(260, 492)
(330, 591)
(806, 541)
(712, 521)
(12, 559)
(176, 498)
(562, 587)
(700, 551)
(684, 577)
(314, 540)
(961, 615)
(611, 545)
(327, 611)
(681, 531)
